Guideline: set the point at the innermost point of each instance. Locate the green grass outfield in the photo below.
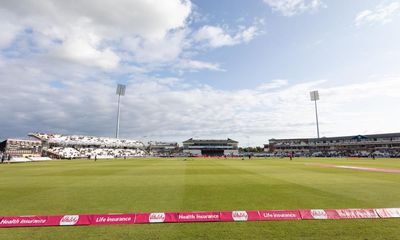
(161, 185)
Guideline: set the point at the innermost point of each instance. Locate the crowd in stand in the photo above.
(69, 152)
(373, 154)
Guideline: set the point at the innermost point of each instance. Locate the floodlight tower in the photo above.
(315, 97)
(120, 92)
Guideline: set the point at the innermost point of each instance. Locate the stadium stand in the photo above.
(20, 147)
(77, 146)
(69, 152)
(209, 147)
(163, 149)
(375, 145)
(67, 140)
(64, 152)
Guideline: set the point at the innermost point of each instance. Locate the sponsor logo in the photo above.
(69, 220)
(109, 219)
(185, 216)
(357, 213)
(157, 217)
(239, 215)
(279, 215)
(319, 214)
(23, 220)
(198, 216)
(9, 221)
(346, 213)
(33, 221)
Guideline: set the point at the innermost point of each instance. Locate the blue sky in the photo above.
(315, 45)
(206, 69)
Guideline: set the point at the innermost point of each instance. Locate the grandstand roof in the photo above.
(191, 140)
(85, 140)
(22, 140)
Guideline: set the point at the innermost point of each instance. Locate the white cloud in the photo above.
(173, 109)
(148, 33)
(161, 50)
(89, 32)
(195, 65)
(148, 18)
(9, 29)
(294, 7)
(7, 34)
(381, 14)
(214, 37)
(274, 84)
(86, 52)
